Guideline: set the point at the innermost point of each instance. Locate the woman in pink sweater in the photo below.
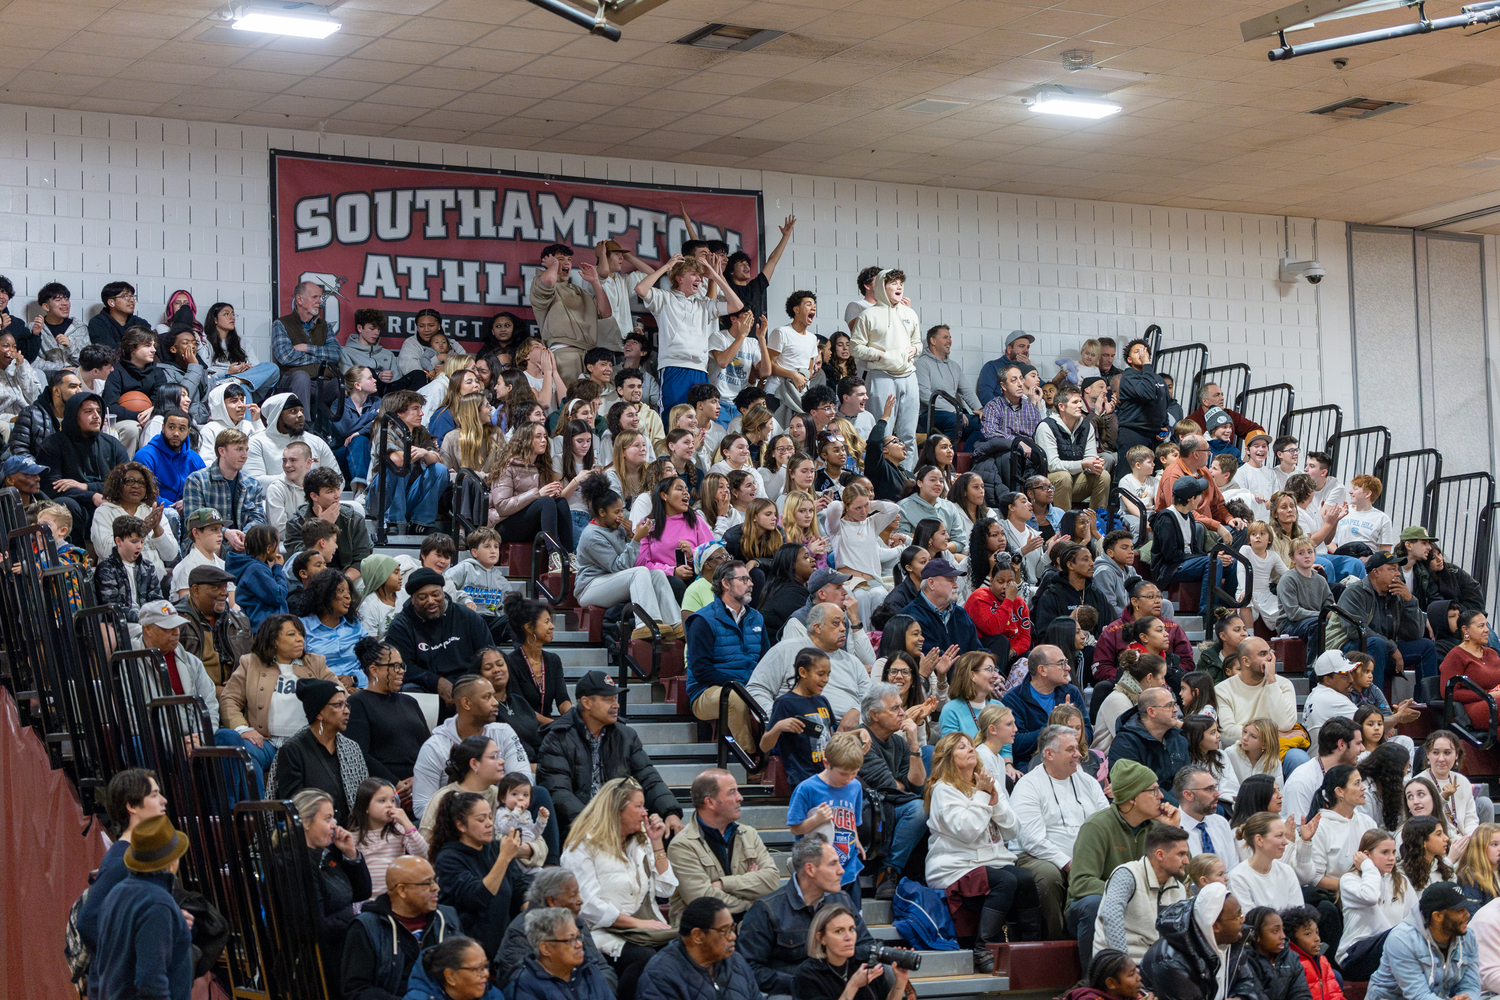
(675, 528)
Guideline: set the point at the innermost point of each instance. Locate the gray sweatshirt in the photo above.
(602, 552)
(1110, 579)
(485, 587)
(946, 375)
(1302, 596)
(377, 358)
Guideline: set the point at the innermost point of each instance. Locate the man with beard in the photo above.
(301, 343)
(286, 421)
(991, 382)
(78, 458)
(43, 417)
(437, 638)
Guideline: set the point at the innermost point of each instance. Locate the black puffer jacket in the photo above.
(73, 453)
(1143, 399)
(1279, 978)
(1181, 964)
(33, 426)
(565, 766)
(112, 585)
(126, 377)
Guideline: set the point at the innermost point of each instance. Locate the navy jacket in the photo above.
(719, 650)
(773, 935)
(145, 949)
(379, 952)
(958, 632)
(421, 986)
(260, 588)
(536, 983)
(673, 975)
(1165, 756)
(1031, 716)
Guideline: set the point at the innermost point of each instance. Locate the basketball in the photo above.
(135, 401)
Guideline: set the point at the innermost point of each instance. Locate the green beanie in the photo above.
(1129, 778)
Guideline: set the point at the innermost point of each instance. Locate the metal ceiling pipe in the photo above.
(596, 26)
(1480, 13)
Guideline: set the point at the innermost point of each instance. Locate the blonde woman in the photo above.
(615, 851)
(799, 524)
(970, 819)
(1375, 897)
(756, 540)
(1285, 528)
(627, 469)
(525, 494)
(713, 500)
(450, 371)
(1257, 752)
(1478, 872)
(855, 523)
(351, 431)
(461, 383)
(734, 456)
(831, 971)
(971, 689)
(475, 440)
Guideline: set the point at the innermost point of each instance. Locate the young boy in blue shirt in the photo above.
(833, 803)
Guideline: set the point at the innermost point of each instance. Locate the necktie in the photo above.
(1208, 844)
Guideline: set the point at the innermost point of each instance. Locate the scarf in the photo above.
(1129, 686)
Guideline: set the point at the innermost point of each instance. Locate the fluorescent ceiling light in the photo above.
(1073, 104)
(282, 24)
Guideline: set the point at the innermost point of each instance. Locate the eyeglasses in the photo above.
(576, 941)
(898, 673)
(729, 931)
(393, 665)
(1205, 788)
(485, 968)
(429, 884)
(1055, 663)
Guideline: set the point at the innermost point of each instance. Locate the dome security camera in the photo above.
(1291, 270)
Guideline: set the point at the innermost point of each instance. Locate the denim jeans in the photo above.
(1197, 568)
(1338, 567)
(1419, 655)
(1292, 760)
(963, 440)
(415, 498)
(260, 378)
(907, 832)
(1079, 920)
(354, 459)
(260, 756)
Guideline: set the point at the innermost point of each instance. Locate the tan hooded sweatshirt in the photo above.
(885, 334)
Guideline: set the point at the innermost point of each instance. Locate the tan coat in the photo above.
(698, 869)
(246, 699)
(515, 489)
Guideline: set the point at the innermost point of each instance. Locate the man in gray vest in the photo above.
(1071, 450)
(1139, 890)
(300, 341)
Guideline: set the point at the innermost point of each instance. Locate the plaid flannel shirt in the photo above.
(208, 488)
(1001, 420)
(285, 354)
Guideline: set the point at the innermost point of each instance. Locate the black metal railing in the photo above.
(274, 875)
(930, 407)
(1456, 507)
(1215, 595)
(1352, 627)
(1266, 405)
(752, 759)
(1404, 478)
(471, 505)
(1232, 379)
(1316, 428)
(541, 554)
(385, 470)
(1360, 451)
(1456, 713)
(1182, 365)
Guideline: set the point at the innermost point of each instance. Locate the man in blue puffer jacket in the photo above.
(725, 640)
(702, 963)
(1432, 954)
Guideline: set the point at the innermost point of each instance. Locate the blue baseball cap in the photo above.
(21, 465)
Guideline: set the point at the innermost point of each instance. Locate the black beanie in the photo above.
(423, 577)
(315, 695)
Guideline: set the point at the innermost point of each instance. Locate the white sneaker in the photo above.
(554, 563)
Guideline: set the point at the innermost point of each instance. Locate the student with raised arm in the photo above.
(684, 320)
(855, 523)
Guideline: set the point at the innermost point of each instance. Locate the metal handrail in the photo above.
(1484, 741)
(317, 397)
(727, 743)
(541, 550)
(384, 469)
(928, 409)
(1216, 591)
(1361, 635)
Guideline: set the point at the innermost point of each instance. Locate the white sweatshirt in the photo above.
(1370, 905)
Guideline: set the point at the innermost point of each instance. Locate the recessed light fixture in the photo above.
(1071, 103)
(285, 24)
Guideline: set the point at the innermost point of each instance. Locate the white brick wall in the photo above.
(169, 204)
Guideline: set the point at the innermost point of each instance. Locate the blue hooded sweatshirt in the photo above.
(259, 588)
(171, 468)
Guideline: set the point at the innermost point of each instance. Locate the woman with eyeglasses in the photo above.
(971, 689)
(457, 969)
(131, 489)
(388, 725)
(558, 965)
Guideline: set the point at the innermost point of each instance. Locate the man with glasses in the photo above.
(895, 769)
(1212, 395)
(725, 640)
(560, 966)
(393, 929)
(117, 316)
(1193, 455)
(1197, 792)
(702, 963)
(1148, 734)
(1052, 802)
(1109, 839)
(1048, 685)
(1139, 890)
(944, 621)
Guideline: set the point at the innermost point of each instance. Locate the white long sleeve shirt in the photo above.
(1370, 905)
(1240, 704)
(1051, 811)
(967, 832)
(856, 545)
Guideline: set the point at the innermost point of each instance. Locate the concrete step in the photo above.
(942, 964)
(876, 911)
(707, 753)
(644, 710)
(971, 985)
(667, 732)
(1190, 623)
(560, 636)
(579, 660)
(682, 775)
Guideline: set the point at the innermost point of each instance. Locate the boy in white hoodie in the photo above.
(229, 408)
(887, 337)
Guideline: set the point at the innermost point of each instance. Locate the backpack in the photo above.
(75, 952)
(922, 918)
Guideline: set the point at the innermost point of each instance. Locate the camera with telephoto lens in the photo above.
(904, 958)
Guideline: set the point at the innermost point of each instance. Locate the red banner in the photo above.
(403, 237)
